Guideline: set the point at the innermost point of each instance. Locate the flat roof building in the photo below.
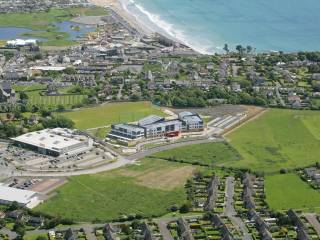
(156, 127)
(54, 142)
(191, 121)
(126, 132)
(24, 198)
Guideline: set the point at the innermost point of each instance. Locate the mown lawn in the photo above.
(147, 189)
(278, 139)
(112, 113)
(286, 191)
(53, 101)
(209, 153)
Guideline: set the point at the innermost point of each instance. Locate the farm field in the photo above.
(208, 153)
(146, 189)
(285, 191)
(278, 139)
(107, 114)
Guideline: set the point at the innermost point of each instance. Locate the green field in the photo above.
(43, 23)
(207, 153)
(28, 88)
(44, 20)
(278, 139)
(147, 189)
(112, 113)
(289, 191)
(53, 101)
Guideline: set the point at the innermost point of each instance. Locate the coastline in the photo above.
(116, 6)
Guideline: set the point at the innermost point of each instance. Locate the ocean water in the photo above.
(206, 25)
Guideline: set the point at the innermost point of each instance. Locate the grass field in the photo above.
(278, 139)
(289, 191)
(147, 189)
(44, 20)
(208, 153)
(53, 101)
(111, 113)
(27, 88)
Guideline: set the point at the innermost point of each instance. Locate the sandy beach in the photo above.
(118, 8)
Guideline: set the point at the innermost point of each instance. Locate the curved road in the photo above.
(122, 161)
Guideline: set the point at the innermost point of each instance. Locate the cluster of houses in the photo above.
(7, 93)
(154, 126)
(34, 5)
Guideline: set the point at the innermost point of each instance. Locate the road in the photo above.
(122, 161)
(162, 224)
(6, 231)
(312, 219)
(230, 212)
(279, 95)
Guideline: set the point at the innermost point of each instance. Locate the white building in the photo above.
(55, 142)
(21, 42)
(25, 198)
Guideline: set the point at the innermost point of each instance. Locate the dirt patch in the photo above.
(166, 179)
(48, 185)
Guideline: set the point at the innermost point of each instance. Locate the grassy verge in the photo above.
(148, 189)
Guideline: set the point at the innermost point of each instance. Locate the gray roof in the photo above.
(192, 119)
(129, 127)
(150, 120)
(184, 114)
(162, 124)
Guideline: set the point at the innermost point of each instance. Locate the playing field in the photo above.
(112, 113)
(53, 101)
(285, 191)
(207, 153)
(278, 139)
(147, 189)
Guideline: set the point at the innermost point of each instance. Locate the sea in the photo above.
(206, 25)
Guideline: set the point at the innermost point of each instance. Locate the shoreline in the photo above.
(117, 7)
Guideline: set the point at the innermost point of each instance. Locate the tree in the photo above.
(23, 96)
(226, 48)
(249, 49)
(19, 228)
(59, 121)
(185, 208)
(61, 108)
(240, 49)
